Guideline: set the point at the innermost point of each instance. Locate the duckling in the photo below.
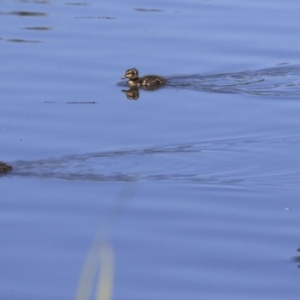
(4, 167)
(145, 81)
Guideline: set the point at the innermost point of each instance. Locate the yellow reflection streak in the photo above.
(100, 256)
(105, 283)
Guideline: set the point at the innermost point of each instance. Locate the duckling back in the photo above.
(152, 80)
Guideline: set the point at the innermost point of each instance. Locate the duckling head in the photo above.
(131, 74)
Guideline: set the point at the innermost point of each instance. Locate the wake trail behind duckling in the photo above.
(283, 81)
(210, 162)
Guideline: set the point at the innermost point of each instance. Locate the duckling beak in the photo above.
(124, 77)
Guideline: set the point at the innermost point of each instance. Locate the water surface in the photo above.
(194, 186)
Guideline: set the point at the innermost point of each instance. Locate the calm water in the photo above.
(194, 186)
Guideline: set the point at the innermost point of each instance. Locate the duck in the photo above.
(145, 81)
(4, 167)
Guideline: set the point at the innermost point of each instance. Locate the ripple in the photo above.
(28, 14)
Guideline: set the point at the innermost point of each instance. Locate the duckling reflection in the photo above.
(132, 94)
(145, 81)
(4, 167)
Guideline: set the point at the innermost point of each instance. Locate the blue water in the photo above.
(194, 186)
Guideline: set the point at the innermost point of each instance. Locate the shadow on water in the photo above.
(280, 81)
